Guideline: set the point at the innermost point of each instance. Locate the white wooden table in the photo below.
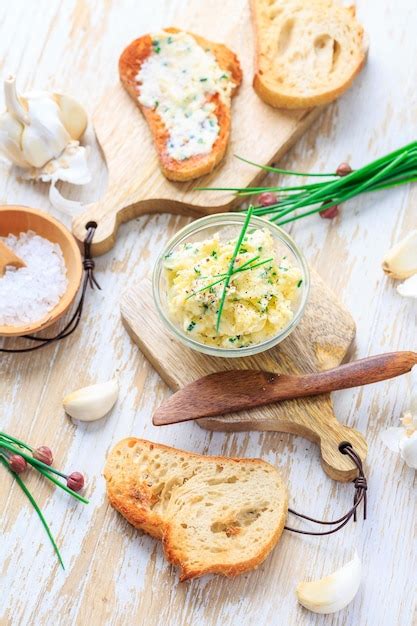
(114, 574)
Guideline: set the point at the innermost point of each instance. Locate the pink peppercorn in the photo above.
(330, 213)
(267, 198)
(44, 454)
(75, 481)
(344, 169)
(17, 463)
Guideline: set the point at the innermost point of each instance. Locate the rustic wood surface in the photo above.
(115, 575)
(320, 341)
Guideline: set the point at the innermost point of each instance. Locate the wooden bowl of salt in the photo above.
(15, 220)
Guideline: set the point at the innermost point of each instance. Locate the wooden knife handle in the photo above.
(373, 369)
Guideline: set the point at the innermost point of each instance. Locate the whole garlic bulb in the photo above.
(93, 402)
(36, 132)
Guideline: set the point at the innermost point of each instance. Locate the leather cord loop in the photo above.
(360, 496)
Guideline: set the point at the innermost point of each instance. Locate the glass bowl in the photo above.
(229, 225)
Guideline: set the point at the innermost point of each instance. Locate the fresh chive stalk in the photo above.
(298, 201)
(14, 454)
(20, 443)
(33, 502)
(44, 469)
(232, 264)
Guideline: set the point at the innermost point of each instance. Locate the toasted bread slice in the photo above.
(213, 514)
(308, 52)
(131, 62)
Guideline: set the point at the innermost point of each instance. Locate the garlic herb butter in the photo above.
(181, 80)
(261, 297)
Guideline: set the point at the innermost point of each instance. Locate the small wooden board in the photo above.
(320, 342)
(136, 184)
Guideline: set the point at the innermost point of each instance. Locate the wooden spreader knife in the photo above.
(237, 390)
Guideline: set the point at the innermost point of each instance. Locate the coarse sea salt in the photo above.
(29, 293)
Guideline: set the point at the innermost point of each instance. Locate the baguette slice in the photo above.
(308, 52)
(180, 170)
(213, 514)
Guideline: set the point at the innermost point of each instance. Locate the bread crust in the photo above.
(131, 498)
(130, 62)
(269, 92)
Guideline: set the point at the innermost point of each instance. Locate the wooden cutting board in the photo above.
(136, 185)
(320, 342)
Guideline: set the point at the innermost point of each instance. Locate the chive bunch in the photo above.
(295, 202)
(16, 456)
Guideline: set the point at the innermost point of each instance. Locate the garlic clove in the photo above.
(332, 593)
(72, 115)
(45, 137)
(408, 288)
(11, 150)
(33, 147)
(391, 437)
(92, 402)
(401, 261)
(12, 127)
(408, 450)
(10, 134)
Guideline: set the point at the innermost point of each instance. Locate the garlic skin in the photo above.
(93, 402)
(36, 132)
(401, 261)
(403, 439)
(70, 167)
(332, 593)
(408, 450)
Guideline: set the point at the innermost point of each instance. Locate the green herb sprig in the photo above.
(232, 265)
(295, 202)
(16, 455)
(4, 461)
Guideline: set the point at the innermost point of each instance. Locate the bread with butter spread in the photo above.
(183, 84)
(213, 514)
(308, 52)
